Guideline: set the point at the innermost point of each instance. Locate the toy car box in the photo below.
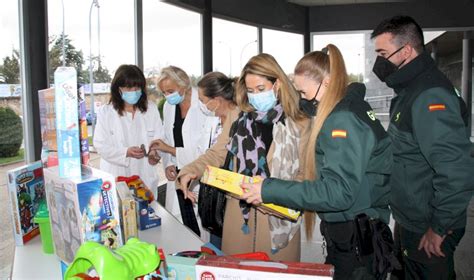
(26, 192)
(231, 183)
(82, 209)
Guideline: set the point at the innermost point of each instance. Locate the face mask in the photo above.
(205, 110)
(384, 67)
(263, 101)
(175, 98)
(131, 97)
(309, 107)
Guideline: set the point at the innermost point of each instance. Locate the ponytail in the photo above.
(318, 65)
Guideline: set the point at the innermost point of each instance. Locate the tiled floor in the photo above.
(311, 251)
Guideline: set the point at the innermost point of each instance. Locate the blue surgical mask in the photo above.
(131, 97)
(263, 101)
(175, 98)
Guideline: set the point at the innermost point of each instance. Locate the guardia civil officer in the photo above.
(432, 176)
(348, 167)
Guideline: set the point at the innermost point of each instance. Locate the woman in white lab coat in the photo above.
(187, 135)
(128, 121)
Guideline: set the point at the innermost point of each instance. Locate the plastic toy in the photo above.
(134, 259)
(140, 190)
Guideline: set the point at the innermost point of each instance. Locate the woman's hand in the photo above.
(160, 145)
(135, 152)
(170, 173)
(252, 193)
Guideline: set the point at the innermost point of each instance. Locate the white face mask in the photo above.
(205, 110)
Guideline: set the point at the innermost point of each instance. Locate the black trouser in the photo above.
(187, 213)
(417, 265)
(341, 241)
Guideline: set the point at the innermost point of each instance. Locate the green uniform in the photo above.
(432, 180)
(354, 161)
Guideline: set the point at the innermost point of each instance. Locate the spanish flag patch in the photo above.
(436, 107)
(339, 133)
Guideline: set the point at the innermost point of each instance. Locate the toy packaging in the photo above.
(82, 209)
(67, 122)
(46, 99)
(146, 214)
(128, 211)
(217, 268)
(231, 182)
(83, 135)
(26, 192)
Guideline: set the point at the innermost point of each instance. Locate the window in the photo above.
(233, 45)
(171, 36)
(112, 44)
(11, 141)
(286, 47)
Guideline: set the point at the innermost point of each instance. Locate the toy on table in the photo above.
(140, 190)
(134, 259)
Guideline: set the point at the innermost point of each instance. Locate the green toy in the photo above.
(134, 259)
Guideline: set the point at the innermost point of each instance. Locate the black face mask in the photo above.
(384, 67)
(309, 107)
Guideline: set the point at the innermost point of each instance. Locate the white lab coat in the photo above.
(196, 133)
(114, 134)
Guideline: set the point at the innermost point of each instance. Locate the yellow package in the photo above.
(231, 182)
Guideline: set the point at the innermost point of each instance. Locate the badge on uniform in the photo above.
(339, 133)
(436, 107)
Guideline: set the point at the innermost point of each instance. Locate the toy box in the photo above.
(83, 135)
(26, 192)
(146, 204)
(147, 217)
(181, 268)
(46, 99)
(82, 209)
(128, 211)
(216, 268)
(231, 182)
(67, 122)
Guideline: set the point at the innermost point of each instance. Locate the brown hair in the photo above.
(216, 84)
(266, 66)
(318, 65)
(128, 75)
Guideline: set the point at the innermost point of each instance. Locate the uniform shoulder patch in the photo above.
(436, 107)
(339, 133)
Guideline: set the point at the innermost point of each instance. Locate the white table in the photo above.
(31, 263)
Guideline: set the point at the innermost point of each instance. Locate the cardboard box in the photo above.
(47, 100)
(181, 268)
(147, 217)
(231, 182)
(67, 122)
(217, 268)
(128, 211)
(82, 209)
(26, 192)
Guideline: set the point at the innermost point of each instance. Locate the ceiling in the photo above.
(340, 2)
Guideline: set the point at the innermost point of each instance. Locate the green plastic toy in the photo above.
(134, 259)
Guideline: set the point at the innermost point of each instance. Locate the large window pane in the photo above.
(172, 36)
(11, 114)
(113, 44)
(233, 45)
(286, 47)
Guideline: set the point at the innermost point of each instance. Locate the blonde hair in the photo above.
(318, 65)
(266, 66)
(175, 74)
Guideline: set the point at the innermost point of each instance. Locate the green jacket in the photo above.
(432, 179)
(353, 160)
